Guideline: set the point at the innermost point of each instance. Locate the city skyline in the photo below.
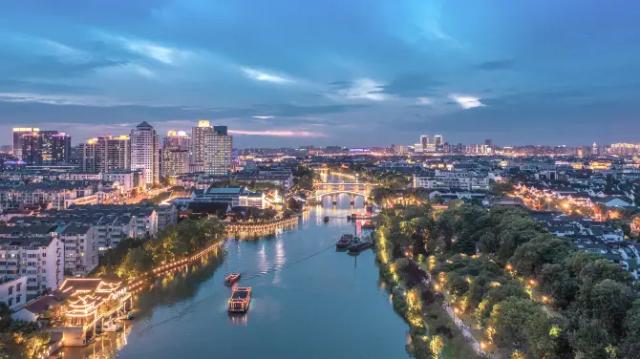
(359, 74)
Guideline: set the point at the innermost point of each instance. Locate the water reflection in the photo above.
(308, 301)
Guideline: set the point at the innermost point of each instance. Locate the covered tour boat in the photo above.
(240, 300)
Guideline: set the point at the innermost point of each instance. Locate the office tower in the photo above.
(106, 154)
(222, 147)
(174, 162)
(201, 146)
(118, 153)
(177, 140)
(44, 147)
(91, 159)
(145, 152)
(424, 141)
(18, 132)
(174, 157)
(594, 149)
(438, 141)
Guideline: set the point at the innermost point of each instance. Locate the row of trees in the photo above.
(133, 257)
(504, 264)
(531, 292)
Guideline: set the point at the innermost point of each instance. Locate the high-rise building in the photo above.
(145, 152)
(106, 154)
(43, 147)
(177, 140)
(222, 148)
(173, 162)
(18, 132)
(211, 149)
(424, 141)
(438, 141)
(201, 145)
(174, 157)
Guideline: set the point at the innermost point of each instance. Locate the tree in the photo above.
(630, 345)
(436, 345)
(592, 339)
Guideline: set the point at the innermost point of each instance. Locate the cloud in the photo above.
(277, 133)
(263, 117)
(260, 75)
(61, 99)
(412, 84)
(424, 101)
(466, 102)
(363, 89)
(495, 65)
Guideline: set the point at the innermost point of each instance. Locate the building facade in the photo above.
(145, 154)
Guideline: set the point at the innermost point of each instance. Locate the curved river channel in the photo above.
(309, 301)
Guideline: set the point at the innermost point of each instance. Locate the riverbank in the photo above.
(432, 332)
(295, 277)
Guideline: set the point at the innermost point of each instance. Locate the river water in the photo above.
(308, 301)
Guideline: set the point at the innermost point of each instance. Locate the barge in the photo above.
(240, 300)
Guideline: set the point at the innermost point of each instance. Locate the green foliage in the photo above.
(133, 257)
(592, 309)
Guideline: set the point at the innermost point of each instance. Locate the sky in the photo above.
(330, 72)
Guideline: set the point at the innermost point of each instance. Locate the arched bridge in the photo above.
(355, 189)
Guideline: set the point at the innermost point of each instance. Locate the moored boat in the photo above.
(360, 246)
(240, 300)
(231, 278)
(344, 242)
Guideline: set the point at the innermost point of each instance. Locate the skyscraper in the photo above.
(145, 152)
(424, 141)
(210, 149)
(106, 154)
(174, 157)
(18, 132)
(176, 140)
(438, 141)
(222, 147)
(42, 147)
(201, 145)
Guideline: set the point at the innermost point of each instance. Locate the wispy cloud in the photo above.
(263, 117)
(261, 75)
(363, 89)
(424, 101)
(466, 101)
(60, 99)
(278, 133)
(164, 54)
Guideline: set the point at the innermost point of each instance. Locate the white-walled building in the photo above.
(145, 152)
(40, 260)
(13, 292)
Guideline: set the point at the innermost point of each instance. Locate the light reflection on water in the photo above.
(308, 301)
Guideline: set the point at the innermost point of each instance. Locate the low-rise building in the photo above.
(40, 260)
(13, 292)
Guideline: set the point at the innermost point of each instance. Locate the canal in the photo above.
(309, 301)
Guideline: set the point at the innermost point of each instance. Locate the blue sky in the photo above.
(285, 72)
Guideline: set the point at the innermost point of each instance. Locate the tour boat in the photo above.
(231, 278)
(344, 242)
(111, 326)
(240, 299)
